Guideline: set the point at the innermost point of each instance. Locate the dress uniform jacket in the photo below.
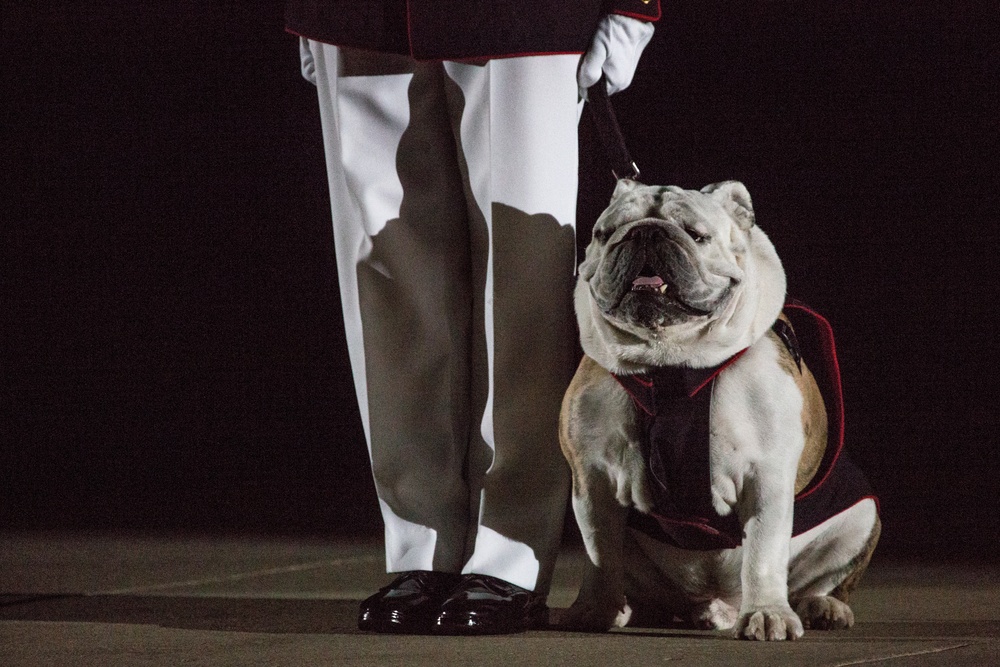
(432, 29)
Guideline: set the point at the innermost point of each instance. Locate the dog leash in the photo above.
(609, 132)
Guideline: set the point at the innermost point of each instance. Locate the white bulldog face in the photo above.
(676, 277)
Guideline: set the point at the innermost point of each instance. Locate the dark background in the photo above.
(171, 352)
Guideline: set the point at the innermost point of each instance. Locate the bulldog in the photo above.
(709, 481)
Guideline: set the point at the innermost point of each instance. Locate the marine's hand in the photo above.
(615, 51)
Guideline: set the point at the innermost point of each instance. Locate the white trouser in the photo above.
(453, 190)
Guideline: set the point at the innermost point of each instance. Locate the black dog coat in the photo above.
(674, 405)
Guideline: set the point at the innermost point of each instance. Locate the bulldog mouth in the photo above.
(650, 284)
(656, 285)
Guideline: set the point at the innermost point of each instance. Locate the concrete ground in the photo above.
(106, 600)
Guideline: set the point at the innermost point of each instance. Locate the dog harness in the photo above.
(674, 405)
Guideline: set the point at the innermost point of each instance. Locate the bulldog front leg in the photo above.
(601, 603)
(765, 614)
(597, 436)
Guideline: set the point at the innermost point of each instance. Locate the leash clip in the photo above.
(633, 176)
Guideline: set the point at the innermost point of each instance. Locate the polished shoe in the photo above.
(484, 605)
(408, 605)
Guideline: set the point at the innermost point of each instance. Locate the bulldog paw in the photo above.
(714, 615)
(823, 612)
(771, 623)
(595, 617)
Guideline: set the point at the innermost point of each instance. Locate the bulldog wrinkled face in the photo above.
(663, 255)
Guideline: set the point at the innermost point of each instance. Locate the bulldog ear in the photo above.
(623, 186)
(734, 197)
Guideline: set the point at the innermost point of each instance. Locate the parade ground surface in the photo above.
(101, 600)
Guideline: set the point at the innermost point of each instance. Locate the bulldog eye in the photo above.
(602, 234)
(697, 236)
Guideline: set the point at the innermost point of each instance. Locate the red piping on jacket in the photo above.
(451, 60)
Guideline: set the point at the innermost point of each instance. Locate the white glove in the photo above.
(306, 58)
(615, 50)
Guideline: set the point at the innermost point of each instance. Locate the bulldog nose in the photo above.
(642, 234)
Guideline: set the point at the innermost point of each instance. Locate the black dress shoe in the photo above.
(410, 604)
(484, 605)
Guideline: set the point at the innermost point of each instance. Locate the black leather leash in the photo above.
(609, 132)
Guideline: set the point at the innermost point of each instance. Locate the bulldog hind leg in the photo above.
(824, 612)
(827, 564)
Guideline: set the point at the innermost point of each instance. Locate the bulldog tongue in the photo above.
(647, 282)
